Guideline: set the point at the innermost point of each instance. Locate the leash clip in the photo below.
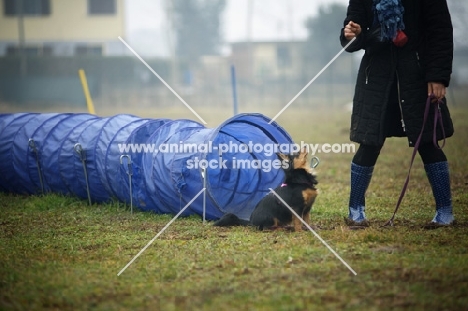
(314, 162)
(389, 223)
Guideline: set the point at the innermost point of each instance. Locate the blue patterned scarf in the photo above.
(389, 14)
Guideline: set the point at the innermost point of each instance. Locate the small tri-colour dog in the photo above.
(298, 190)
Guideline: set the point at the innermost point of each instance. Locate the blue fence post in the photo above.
(234, 89)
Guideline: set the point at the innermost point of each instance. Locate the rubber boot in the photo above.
(360, 179)
(439, 178)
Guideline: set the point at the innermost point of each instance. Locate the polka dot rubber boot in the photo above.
(439, 178)
(360, 179)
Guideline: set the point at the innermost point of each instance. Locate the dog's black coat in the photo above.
(270, 211)
(270, 207)
(229, 220)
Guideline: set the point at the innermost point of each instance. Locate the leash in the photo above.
(437, 119)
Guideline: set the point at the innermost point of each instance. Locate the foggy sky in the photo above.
(149, 32)
(148, 28)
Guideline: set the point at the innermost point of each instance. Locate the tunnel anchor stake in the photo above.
(82, 154)
(129, 172)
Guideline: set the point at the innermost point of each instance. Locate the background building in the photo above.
(62, 28)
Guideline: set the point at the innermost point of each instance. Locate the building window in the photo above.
(283, 57)
(101, 7)
(29, 7)
(82, 50)
(29, 50)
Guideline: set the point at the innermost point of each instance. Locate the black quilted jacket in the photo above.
(378, 107)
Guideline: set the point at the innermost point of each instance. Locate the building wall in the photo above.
(264, 60)
(67, 26)
(261, 60)
(68, 21)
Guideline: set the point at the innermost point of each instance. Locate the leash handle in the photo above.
(437, 117)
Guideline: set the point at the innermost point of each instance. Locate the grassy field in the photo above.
(57, 253)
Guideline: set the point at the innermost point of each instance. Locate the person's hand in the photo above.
(438, 89)
(352, 30)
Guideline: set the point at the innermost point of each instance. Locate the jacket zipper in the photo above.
(400, 102)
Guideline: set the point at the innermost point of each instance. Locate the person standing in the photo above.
(408, 56)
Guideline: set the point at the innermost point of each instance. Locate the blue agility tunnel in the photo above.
(157, 164)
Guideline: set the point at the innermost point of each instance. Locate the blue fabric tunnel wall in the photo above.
(165, 160)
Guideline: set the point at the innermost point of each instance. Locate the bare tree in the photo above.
(197, 25)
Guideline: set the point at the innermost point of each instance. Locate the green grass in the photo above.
(57, 253)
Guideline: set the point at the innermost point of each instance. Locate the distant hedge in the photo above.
(50, 79)
(105, 69)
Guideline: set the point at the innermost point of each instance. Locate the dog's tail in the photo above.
(230, 220)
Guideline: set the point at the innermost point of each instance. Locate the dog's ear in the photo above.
(304, 152)
(282, 156)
